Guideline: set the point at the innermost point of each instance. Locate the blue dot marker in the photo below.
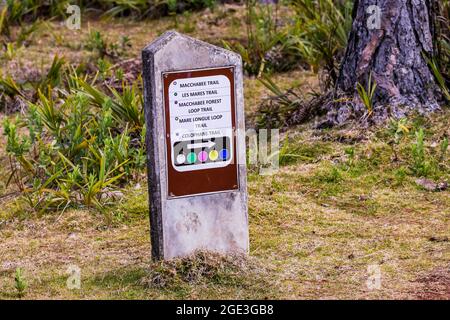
(224, 154)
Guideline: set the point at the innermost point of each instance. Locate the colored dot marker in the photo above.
(181, 158)
(213, 155)
(224, 154)
(203, 156)
(191, 157)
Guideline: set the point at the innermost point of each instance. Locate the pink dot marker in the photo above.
(203, 156)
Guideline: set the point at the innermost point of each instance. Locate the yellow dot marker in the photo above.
(213, 155)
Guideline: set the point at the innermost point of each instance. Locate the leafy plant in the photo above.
(420, 166)
(97, 43)
(10, 88)
(20, 283)
(26, 31)
(54, 75)
(4, 27)
(10, 51)
(103, 66)
(439, 77)
(367, 95)
(29, 91)
(351, 154)
(397, 129)
(127, 107)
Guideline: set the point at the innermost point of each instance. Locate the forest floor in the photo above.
(339, 208)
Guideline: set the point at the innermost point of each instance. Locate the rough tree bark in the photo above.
(392, 52)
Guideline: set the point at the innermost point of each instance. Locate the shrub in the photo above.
(76, 144)
(319, 34)
(19, 11)
(287, 108)
(265, 49)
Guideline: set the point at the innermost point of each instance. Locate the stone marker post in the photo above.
(194, 109)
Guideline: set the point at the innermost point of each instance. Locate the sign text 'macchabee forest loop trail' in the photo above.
(194, 109)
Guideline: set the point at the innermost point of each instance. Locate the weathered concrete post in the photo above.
(194, 108)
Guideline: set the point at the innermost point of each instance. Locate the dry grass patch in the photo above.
(209, 269)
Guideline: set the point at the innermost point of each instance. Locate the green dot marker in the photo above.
(191, 157)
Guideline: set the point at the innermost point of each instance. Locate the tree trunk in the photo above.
(388, 42)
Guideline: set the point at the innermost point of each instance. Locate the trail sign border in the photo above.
(229, 175)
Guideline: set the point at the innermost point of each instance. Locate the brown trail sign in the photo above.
(194, 107)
